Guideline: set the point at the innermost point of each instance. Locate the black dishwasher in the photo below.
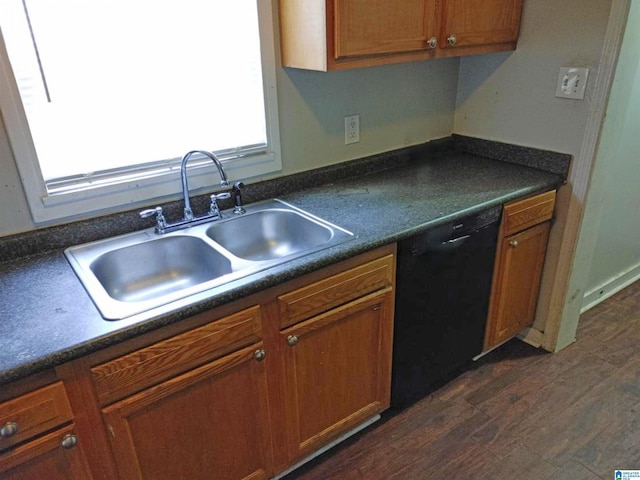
(443, 285)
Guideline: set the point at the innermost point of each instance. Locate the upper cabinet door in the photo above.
(338, 34)
(471, 23)
(379, 27)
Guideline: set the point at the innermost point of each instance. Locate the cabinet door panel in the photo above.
(375, 27)
(521, 268)
(339, 370)
(210, 423)
(479, 22)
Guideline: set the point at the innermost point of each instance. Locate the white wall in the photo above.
(399, 105)
(612, 221)
(14, 211)
(510, 96)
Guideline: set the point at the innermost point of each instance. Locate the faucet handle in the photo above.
(161, 222)
(213, 206)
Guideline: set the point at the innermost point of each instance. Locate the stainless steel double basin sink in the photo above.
(142, 271)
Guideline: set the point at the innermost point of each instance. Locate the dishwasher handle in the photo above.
(424, 246)
(450, 244)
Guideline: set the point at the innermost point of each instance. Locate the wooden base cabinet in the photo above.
(38, 438)
(210, 423)
(518, 268)
(339, 369)
(244, 391)
(338, 34)
(192, 406)
(55, 456)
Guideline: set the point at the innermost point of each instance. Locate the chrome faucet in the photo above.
(189, 219)
(224, 182)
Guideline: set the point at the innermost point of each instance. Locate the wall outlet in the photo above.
(351, 129)
(572, 82)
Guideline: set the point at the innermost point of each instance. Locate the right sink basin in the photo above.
(270, 234)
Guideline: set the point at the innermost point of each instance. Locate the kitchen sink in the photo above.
(270, 234)
(145, 272)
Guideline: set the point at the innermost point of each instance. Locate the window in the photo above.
(101, 99)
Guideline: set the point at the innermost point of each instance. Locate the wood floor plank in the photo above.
(575, 471)
(608, 320)
(565, 434)
(517, 415)
(509, 360)
(442, 453)
(388, 446)
(614, 448)
(522, 464)
(514, 366)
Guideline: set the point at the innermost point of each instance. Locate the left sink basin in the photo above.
(157, 268)
(140, 271)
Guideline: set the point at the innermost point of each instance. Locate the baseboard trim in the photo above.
(610, 287)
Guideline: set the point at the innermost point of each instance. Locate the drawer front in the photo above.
(150, 365)
(526, 213)
(336, 290)
(31, 414)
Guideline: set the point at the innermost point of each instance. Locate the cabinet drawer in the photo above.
(336, 290)
(528, 212)
(33, 413)
(150, 365)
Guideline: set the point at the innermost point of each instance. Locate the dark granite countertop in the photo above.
(46, 317)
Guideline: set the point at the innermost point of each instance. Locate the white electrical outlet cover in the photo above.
(572, 82)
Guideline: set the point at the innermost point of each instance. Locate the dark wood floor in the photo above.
(519, 413)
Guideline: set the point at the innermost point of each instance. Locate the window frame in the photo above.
(155, 183)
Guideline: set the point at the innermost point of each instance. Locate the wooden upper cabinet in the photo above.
(379, 27)
(479, 23)
(339, 34)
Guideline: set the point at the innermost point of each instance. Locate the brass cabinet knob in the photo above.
(292, 340)
(432, 42)
(69, 441)
(452, 39)
(259, 355)
(9, 429)
(513, 243)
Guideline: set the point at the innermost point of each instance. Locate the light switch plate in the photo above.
(572, 82)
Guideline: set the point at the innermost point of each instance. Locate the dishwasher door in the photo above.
(443, 286)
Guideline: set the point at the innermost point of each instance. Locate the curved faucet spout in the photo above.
(224, 182)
